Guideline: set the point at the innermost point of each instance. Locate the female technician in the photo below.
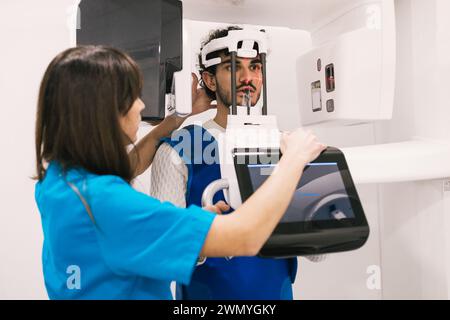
(103, 239)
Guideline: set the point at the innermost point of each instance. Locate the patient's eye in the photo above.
(256, 67)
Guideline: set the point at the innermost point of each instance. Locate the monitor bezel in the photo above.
(241, 162)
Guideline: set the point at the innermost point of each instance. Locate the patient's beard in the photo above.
(225, 97)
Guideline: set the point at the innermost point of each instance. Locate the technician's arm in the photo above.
(245, 231)
(142, 156)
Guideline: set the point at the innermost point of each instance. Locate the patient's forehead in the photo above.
(226, 58)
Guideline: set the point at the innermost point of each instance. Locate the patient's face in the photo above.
(248, 77)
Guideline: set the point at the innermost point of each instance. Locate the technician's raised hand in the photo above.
(301, 145)
(142, 156)
(201, 102)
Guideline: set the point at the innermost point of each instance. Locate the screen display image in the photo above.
(320, 195)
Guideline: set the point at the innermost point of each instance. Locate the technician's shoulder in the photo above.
(106, 182)
(110, 190)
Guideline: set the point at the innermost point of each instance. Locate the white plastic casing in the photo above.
(244, 132)
(364, 61)
(180, 101)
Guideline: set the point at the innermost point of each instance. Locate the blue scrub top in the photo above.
(137, 247)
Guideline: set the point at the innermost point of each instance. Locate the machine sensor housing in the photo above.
(325, 214)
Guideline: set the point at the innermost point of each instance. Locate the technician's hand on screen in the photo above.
(301, 144)
(218, 208)
(201, 102)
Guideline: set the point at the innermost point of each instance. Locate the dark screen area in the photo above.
(150, 31)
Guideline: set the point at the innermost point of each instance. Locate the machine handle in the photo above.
(212, 189)
(208, 195)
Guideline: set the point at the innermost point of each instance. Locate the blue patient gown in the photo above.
(137, 247)
(241, 278)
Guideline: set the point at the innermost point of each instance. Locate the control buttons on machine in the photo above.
(330, 105)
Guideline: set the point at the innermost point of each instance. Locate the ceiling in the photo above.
(295, 14)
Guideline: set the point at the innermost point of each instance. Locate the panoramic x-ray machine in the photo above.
(325, 214)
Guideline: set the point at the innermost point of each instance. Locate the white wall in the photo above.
(31, 34)
(414, 216)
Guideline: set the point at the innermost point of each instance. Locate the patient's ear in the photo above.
(209, 80)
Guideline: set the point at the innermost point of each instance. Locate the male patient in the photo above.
(181, 179)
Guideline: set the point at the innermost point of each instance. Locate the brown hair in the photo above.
(83, 93)
(215, 34)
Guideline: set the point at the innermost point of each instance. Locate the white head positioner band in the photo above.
(247, 36)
